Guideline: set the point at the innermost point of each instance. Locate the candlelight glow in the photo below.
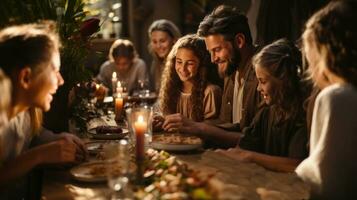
(97, 86)
(119, 95)
(140, 118)
(118, 84)
(114, 75)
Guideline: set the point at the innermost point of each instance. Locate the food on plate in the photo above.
(100, 168)
(108, 129)
(176, 139)
(166, 177)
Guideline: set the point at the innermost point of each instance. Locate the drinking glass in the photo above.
(118, 169)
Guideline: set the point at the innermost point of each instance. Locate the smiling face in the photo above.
(44, 84)
(222, 53)
(267, 85)
(186, 64)
(161, 43)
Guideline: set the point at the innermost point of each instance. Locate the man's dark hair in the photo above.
(227, 21)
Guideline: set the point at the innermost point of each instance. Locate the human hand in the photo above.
(237, 153)
(157, 122)
(177, 122)
(81, 150)
(60, 151)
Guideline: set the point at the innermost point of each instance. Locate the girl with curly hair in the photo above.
(185, 88)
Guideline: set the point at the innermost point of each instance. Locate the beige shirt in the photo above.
(211, 103)
(237, 99)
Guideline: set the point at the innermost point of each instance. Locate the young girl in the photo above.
(29, 56)
(330, 45)
(277, 137)
(185, 88)
(162, 34)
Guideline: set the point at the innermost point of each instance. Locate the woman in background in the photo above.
(163, 34)
(330, 45)
(185, 88)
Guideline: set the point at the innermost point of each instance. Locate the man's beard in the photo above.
(233, 63)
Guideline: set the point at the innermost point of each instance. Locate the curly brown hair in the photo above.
(333, 31)
(283, 60)
(172, 85)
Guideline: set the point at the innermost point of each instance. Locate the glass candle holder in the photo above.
(140, 126)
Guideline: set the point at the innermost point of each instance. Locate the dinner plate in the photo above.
(170, 146)
(108, 136)
(90, 172)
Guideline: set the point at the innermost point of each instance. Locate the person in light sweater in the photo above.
(330, 45)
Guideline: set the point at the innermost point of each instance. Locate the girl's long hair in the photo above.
(171, 84)
(283, 60)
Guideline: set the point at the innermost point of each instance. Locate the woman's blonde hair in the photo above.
(333, 31)
(29, 45)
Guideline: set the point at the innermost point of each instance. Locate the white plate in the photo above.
(108, 136)
(175, 147)
(82, 172)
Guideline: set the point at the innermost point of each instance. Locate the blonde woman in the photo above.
(162, 34)
(29, 56)
(330, 45)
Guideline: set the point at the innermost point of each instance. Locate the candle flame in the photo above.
(118, 95)
(140, 118)
(118, 84)
(97, 86)
(114, 75)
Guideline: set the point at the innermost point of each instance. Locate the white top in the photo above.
(331, 168)
(237, 98)
(15, 137)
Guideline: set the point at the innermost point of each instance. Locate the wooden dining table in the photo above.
(232, 179)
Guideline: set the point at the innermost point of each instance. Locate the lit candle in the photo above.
(114, 82)
(140, 128)
(119, 87)
(118, 106)
(99, 92)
